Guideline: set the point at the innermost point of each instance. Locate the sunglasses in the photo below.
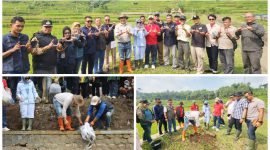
(211, 19)
(107, 19)
(48, 26)
(67, 33)
(19, 26)
(88, 21)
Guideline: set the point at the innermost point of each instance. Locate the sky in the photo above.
(150, 84)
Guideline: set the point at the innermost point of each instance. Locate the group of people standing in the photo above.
(88, 47)
(240, 108)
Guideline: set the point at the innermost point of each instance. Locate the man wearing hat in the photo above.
(64, 103)
(45, 47)
(103, 109)
(217, 113)
(146, 119)
(198, 32)
(160, 38)
(238, 115)
(183, 37)
(151, 42)
(16, 48)
(123, 33)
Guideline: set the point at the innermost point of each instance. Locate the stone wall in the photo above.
(69, 140)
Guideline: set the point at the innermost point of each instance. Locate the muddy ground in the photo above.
(46, 119)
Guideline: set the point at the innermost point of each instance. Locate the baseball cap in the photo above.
(150, 17)
(238, 94)
(182, 17)
(177, 16)
(46, 23)
(95, 100)
(156, 14)
(195, 17)
(145, 102)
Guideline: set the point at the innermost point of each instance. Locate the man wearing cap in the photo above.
(146, 119)
(254, 118)
(252, 44)
(217, 113)
(123, 33)
(212, 42)
(183, 36)
(169, 41)
(160, 23)
(177, 19)
(180, 114)
(45, 47)
(151, 42)
(198, 32)
(64, 103)
(15, 49)
(225, 45)
(238, 115)
(139, 43)
(91, 33)
(103, 109)
(159, 116)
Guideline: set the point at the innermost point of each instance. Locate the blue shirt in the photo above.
(158, 112)
(91, 41)
(100, 109)
(169, 35)
(148, 115)
(139, 36)
(18, 61)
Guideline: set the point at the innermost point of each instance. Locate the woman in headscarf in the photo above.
(27, 96)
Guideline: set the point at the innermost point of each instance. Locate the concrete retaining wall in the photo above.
(69, 140)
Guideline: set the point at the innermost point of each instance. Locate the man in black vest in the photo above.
(45, 47)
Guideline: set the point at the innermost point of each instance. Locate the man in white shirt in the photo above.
(183, 37)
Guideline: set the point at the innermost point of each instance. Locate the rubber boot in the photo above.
(129, 66)
(136, 64)
(182, 125)
(23, 124)
(228, 131)
(121, 67)
(61, 124)
(68, 125)
(251, 145)
(30, 122)
(195, 129)
(140, 63)
(183, 135)
(237, 135)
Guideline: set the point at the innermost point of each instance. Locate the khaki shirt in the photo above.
(223, 41)
(181, 33)
(120, 28)
(253, 108)
(213, 33)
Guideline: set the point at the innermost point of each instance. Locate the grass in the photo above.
(222, 142)
(64, 12)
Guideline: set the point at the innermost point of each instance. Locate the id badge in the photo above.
(63, 55)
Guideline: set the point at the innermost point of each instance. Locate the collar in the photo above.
(10, 35)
